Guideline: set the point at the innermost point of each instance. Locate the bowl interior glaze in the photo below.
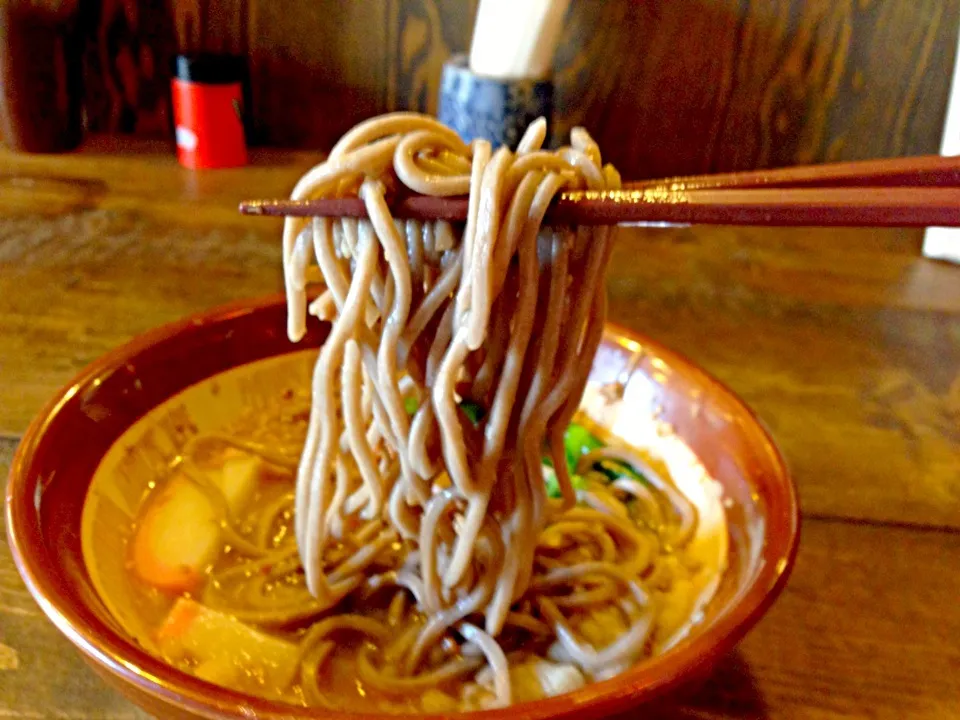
(60, 454)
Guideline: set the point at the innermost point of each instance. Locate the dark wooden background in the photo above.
(667, 86)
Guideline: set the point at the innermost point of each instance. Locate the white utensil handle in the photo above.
(516, 38)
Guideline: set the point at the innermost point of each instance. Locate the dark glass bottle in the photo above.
(41, 74)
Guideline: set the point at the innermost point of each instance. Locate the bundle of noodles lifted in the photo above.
(459, 543)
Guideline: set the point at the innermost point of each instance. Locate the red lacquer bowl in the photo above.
(58, 457)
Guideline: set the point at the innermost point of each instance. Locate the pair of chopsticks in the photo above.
(901, 192)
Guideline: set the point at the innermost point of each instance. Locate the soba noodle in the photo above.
(450, 547)
(508, 316)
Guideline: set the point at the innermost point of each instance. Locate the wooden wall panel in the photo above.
(305, 89)
(317, 72)
(708, 86)
(667, 86)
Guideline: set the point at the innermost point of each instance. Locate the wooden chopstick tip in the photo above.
(251, 207)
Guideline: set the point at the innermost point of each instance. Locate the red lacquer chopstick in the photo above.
(900, 192)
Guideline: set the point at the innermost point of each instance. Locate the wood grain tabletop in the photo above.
(846, 343)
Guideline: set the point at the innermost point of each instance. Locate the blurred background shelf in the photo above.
(667, 87)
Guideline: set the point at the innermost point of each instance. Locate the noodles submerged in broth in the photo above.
(440, 531)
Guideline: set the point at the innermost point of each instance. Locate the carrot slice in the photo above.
(179, 534)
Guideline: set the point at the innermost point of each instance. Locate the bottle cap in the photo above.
(210, 69)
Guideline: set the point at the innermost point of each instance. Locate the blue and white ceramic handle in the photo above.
(488, 108)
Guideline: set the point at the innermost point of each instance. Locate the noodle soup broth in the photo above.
(188, 537)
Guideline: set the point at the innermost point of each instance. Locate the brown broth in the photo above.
(338, 682)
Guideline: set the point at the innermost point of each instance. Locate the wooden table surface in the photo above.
(846, 342)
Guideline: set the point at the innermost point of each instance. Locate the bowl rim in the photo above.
(108, 648)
